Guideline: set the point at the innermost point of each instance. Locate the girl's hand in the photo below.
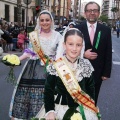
(50, 116)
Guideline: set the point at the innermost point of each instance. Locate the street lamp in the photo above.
(27, 2)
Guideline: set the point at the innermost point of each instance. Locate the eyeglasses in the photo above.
(90, 11)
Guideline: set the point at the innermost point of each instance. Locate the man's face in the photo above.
(92, 13)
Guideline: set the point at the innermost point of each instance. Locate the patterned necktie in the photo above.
(92, 33)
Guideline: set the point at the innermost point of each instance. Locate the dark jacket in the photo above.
(103, 63)
(54, 83)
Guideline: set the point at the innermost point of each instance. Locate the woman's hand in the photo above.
(50, 116)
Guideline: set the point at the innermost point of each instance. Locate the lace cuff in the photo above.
(49, 112)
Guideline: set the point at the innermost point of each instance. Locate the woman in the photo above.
(70, 25)
(27, 97)
(71, 78)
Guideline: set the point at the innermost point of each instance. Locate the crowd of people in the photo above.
(10, 36)
(63, 73)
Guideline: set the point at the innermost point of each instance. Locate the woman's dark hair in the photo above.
(45, 13)
(91, 3)
(73, 32)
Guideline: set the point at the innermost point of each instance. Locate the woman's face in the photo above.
(45, 21)
(73, 46)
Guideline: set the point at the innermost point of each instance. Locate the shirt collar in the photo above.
(88, 24)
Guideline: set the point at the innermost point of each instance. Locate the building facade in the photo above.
(9, 11)
(106, 8)
(60, 9)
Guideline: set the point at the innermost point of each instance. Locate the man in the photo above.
(98, 46)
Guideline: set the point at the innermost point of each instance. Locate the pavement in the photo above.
(17, 52)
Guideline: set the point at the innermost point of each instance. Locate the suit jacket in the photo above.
(102, 64)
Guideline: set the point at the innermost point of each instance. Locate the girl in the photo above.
(71, 78)
(21, 39)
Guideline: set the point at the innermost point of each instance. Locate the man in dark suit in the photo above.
(99, 48)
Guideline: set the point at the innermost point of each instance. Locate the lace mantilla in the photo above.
(84, 69)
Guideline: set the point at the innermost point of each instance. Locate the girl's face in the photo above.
(45, 21)
(73, 46)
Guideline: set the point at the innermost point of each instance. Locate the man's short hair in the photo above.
(91, 3)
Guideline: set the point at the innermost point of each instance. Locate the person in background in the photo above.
(118, 31)
(7, 37)
(30, 23)
(69, 77)
(21, 39)
(70, 25)
(14, 35)
(98, 45)
(1, 33)
(59, 28)
(27, 97)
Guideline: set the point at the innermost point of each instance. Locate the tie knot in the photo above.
(92, 26)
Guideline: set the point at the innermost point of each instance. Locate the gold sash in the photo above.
(72, 85)
(36, 46)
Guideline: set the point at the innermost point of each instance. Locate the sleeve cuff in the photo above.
(49, 112)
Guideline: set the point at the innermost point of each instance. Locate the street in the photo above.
(109, 98)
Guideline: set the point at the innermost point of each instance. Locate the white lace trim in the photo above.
(51, 70)
(84, 69)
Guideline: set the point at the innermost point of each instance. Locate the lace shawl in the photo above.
(84, 69)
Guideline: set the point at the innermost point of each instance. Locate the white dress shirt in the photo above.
(89, 28)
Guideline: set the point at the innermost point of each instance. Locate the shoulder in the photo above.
(104, 27)
(86, 63)
(85, 68)
(56, 33)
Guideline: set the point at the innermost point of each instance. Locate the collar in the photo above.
(88, 24)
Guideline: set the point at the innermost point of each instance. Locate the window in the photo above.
(23, 15)
(7, 13)
(15, 14)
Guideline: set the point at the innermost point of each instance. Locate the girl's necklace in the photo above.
(72, 65)
(70, 60)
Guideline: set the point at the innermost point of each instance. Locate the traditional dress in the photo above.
(63, 100)
(27, 97)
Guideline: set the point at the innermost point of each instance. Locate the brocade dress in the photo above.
(27, 97)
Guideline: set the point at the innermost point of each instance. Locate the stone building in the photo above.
(9, 11)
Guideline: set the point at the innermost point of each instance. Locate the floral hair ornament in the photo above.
(11, 60)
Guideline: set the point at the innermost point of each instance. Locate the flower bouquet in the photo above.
(72, 114)
(11, 60)
(39, 118)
